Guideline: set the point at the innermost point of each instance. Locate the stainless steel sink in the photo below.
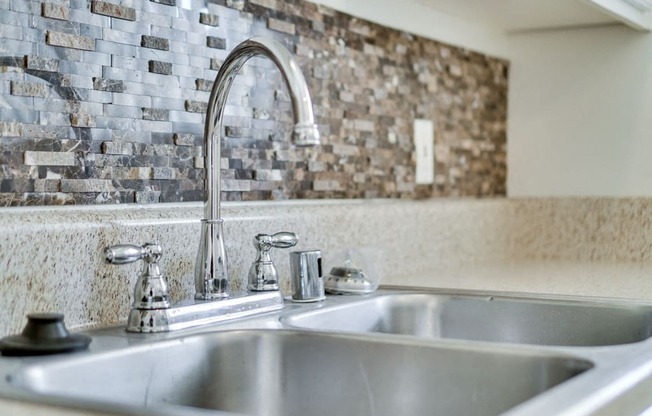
(486, 318)
(562, 356)
(286, 373)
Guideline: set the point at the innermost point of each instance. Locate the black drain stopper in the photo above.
(45, 333)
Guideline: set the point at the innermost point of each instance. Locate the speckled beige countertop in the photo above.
(584, 247)
(623, 280)
(51, 257)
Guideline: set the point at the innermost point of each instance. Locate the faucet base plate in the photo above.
(203, 312)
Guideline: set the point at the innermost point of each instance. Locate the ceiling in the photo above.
(523, 15)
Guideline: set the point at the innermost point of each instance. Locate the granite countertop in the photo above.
(622, 280)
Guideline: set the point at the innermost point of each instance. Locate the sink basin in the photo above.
(486, 318)
(287, 373)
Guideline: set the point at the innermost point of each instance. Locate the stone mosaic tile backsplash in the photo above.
(103, 102)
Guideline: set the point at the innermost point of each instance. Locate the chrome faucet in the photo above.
(211, 269)
(151, 310)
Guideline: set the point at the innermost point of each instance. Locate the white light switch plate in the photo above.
(424, 138)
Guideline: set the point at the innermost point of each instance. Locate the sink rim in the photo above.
(580, 299)
(612, 364)
(385, 293)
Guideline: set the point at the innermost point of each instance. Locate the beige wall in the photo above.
(580, 113)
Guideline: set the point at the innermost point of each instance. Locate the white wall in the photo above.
(580, 113)
(413, 17)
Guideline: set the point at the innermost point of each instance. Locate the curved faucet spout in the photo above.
(211, 277)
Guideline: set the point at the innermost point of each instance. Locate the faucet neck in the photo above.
(305, 132)
(211, 274)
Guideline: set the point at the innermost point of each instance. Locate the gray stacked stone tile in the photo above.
(69, 41)
(55, 11)
(215, 42)
(209, 19)
(281, 26)
(203, 84)
(104, 102)
(29, 89)
(155, 42)
(39, 63)
(158, 67)
(113, 10)
(166, 2)
(35, 158)
(196, 106)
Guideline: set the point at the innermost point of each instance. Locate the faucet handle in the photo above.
(151, 290)
(262, 273)
(284, 239)
(128, 253)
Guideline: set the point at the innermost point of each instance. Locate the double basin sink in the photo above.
(396, 352)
